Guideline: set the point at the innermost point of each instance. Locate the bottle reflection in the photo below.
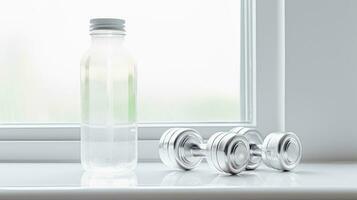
(105, 179)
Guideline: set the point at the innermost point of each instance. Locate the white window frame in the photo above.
(61, 142)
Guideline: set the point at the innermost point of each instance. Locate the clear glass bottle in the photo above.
(108, 100)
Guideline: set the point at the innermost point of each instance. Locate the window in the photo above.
(194, 59)
(196, 65)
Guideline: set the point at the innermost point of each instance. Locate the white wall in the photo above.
(321, 77)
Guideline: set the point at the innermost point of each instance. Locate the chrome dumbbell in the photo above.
(184, 148)
(280, 151)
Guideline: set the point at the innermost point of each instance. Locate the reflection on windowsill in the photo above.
(246, 179)
(107, 179)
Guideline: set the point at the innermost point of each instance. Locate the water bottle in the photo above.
(108, 100)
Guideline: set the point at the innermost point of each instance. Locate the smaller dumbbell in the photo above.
(281, 150)
(184, 148)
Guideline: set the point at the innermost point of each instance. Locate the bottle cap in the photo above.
(107, 24)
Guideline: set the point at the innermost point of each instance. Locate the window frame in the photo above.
(60, 142)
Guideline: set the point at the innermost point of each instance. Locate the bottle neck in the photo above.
(107, 37)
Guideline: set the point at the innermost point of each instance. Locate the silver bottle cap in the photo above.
(107, 24)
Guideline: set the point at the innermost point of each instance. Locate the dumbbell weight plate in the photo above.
(163, 147)
(176, 148)
(229, 152)
(282, 151)
(255, 141)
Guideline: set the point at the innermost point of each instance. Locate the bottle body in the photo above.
(108, 105)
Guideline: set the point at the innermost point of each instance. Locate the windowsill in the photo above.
(155, 181)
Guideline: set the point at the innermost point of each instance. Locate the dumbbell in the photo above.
(280, 150)
(184, 148)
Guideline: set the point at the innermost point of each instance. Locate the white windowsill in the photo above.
(155, 181)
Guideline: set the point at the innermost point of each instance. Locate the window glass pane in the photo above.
(188, 54)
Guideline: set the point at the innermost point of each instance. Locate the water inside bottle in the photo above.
(109, 147)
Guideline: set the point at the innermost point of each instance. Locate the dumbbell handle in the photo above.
(256, 150)
(199, 150)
